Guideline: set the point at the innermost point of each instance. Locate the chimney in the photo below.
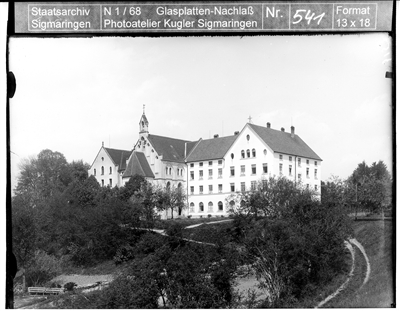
(268, 125)
(236, 133)
(282, 129)
(216, 135)
(292, 131)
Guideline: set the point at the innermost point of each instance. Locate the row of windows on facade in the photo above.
(253, 171)
(253, 186)
(220, 207)
(109, 184)
(168, 171)
(102, 171)
(298, 160)
(210, 163)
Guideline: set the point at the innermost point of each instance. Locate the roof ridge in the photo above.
(184, 140)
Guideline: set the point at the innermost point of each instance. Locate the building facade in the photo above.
(210, 170)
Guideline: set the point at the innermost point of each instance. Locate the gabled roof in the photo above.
(118, 156)
(283, 142)
(171, 149)
(209, 149)
(138, 165)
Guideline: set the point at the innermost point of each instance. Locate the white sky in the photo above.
(74, 93)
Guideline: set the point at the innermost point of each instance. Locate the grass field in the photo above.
(376, 237)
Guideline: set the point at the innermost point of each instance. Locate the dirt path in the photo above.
(351, 273)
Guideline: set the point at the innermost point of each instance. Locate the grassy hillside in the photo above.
(376, 237)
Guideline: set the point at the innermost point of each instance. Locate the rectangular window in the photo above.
(242, 170)
(191, 164)
(315, 163)
(290, 159)
(219, 162)
(232, 171)
(191, 175)
(308, 172)
(308, 186)
(299, 176)
(299, 162)
(220, 188)
(220, 173)
(210, 189)
(265, 168)
(316, 188)
(201, 174)
(280, 168)
(290, 170)
(210, 174)
(253, 185)
(102, 182)
(210, 163)
(201, 164)
(280, 157)
(232, 187)
(110, 182)
(201, 189)
(191, 189)
(316, 174)
(253, 169)
(308, 162)
(243, 186)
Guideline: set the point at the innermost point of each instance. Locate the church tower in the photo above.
(143, 124)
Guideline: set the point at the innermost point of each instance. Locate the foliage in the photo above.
(42, 269)
(270, 198)
(295, 247)
(70, 286)
(371, 186)
(170, 199)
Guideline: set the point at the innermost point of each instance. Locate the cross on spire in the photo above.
(249, 119)
(144, 107)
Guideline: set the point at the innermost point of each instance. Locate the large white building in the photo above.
(210, 170)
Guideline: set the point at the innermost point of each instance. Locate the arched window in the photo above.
(220, 206)
(166, 171)
(248, 153)
(254, 153)
(179, 186)
(232, 155)
(201, 207)
(170, 171)
(94, 172)
(168, 185)
(248, 137)
(242, 154)
(110, 170)
(192, 207)
(210, 207)
(102, 170)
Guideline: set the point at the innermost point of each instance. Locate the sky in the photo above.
(75, 93)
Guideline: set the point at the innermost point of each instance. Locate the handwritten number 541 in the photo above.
(309, 16)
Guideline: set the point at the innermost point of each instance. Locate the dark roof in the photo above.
(214, 148)
(284, 143)
(119, 157)
(138, 165)
(171, 149)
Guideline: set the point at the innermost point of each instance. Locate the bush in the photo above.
(124, 253)
(42, 269)
(70, 286)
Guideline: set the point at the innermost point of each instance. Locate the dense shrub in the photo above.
(42, 269)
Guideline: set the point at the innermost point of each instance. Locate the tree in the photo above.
(173, 199)
(370, 186)
(41, 177)
(294, 241)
